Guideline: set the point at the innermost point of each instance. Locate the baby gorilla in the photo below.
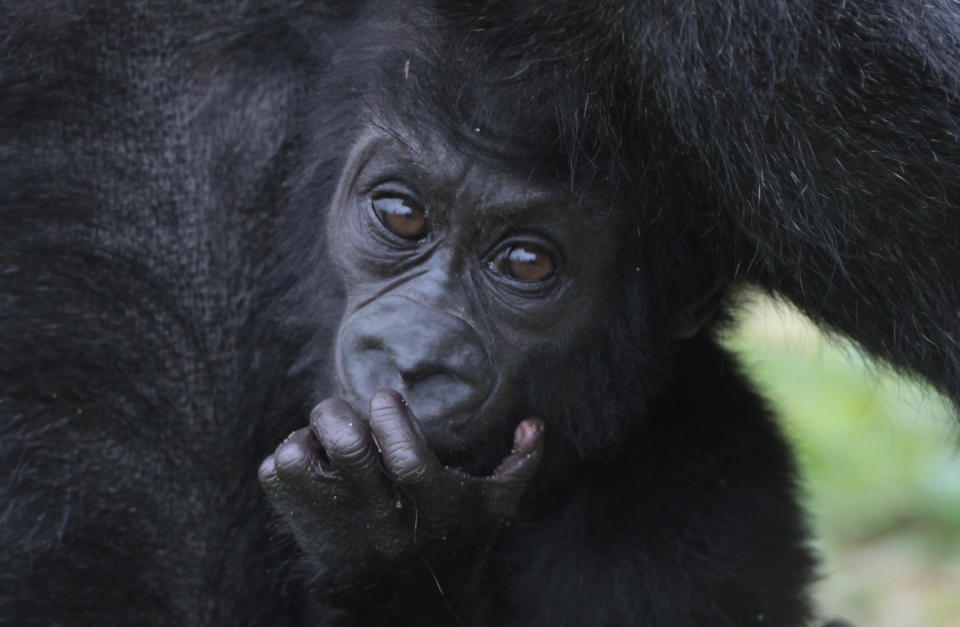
(515, 439)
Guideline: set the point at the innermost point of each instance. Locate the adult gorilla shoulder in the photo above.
(192, 199)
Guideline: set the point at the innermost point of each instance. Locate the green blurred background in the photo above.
(880, 458)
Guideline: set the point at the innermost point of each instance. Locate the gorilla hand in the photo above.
(374, 497)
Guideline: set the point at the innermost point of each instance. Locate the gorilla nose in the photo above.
(435, 359)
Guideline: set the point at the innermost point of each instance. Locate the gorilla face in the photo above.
(460, 278)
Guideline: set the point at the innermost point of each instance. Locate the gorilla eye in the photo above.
(527, 262)
(401, 216)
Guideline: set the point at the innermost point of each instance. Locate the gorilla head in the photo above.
(489, 240)
(463, 280)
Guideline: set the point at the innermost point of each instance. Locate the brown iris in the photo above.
(401, 216)
(528, 262)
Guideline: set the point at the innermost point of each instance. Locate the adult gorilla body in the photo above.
(164, 178)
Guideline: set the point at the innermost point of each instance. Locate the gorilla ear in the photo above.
(700, 309)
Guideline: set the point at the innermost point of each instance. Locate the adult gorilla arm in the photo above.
(140, 151)
(828, 135)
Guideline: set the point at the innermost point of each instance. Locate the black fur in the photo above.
(158, 297)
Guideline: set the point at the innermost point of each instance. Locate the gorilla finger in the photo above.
(267, 473)
(270, 481)
(298, 457)
(512, 476)
(345, 438)
(406, 454)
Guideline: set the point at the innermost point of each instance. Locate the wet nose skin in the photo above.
(434, 359)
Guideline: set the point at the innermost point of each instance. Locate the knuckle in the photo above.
(291, 458)
(383, 412)
(409, 468)
(353, 450)
(267, 473)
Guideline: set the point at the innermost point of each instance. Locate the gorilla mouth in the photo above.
(480, 458)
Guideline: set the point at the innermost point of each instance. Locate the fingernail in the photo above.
(527, 436)
(385, 400)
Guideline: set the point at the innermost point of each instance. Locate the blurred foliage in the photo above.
(880, 459)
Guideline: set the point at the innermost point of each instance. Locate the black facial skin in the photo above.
(452, 317)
